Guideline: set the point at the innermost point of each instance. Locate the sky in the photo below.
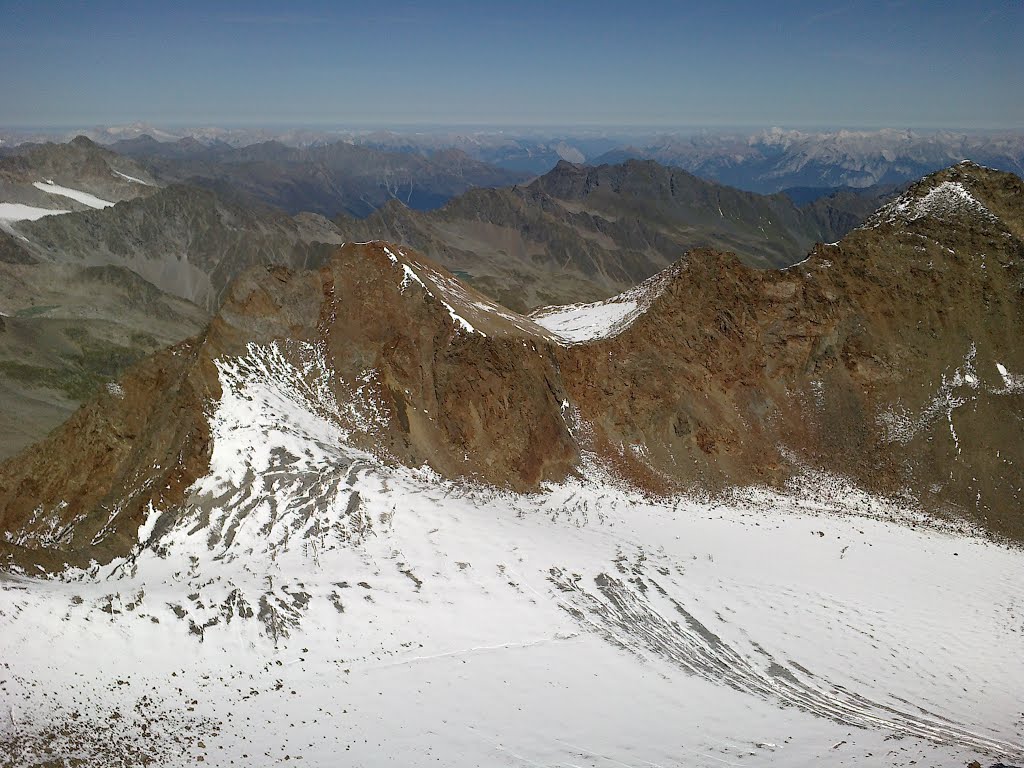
(558, 62)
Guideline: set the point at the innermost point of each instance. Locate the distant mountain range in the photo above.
(774, 160)
(759, 161)
(326, 179)
(762, 161)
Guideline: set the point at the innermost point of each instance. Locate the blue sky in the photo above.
(559, 62)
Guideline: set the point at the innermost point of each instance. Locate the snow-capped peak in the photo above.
(945, 200)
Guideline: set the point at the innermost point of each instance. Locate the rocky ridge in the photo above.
(890, 359)
(187, 241)
(40, 175)
(582, 233)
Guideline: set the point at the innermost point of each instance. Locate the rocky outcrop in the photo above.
(892, 359)
(12, 252)
(887, 358)
(455, 382)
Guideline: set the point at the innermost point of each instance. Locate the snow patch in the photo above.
(126, 177)
(949, 198)
(582, 323)
(577, 323)
(19, 212)
(148, 525)
(954, 390)
(83, 197)
(1014, 382)
(410, 276)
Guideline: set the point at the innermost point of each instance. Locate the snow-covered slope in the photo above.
(943, 200)
(51, 179)
(20, 212)
(75, 194)
(580, 323)
(314, 602)
(11, 212)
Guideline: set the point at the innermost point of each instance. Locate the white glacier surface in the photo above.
(82, 197)
(20, 212)
(316, 603)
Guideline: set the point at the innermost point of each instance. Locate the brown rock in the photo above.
(857, 361)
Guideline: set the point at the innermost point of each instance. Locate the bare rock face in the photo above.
(887, 358)
(892, 359)
(478, 401)
(459, 386)
(11, 251)
(81, 494)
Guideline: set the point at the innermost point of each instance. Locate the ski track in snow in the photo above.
(312, 602)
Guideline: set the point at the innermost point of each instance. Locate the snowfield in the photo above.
(11, 212)
(580, 323)
(577, 323)
(82, 197)
(315, 603)
(19, 212)
(126, 177)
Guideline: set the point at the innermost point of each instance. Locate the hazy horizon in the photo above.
(655, 66)
(519, 131)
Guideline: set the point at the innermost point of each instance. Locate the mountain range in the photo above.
(718, 374)
(575, 234)
(763, 161)
(757, 160)
(325, 179)
(581, 233)
(70, 322)
(278, 484)
(774, 160)
(366, 499)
